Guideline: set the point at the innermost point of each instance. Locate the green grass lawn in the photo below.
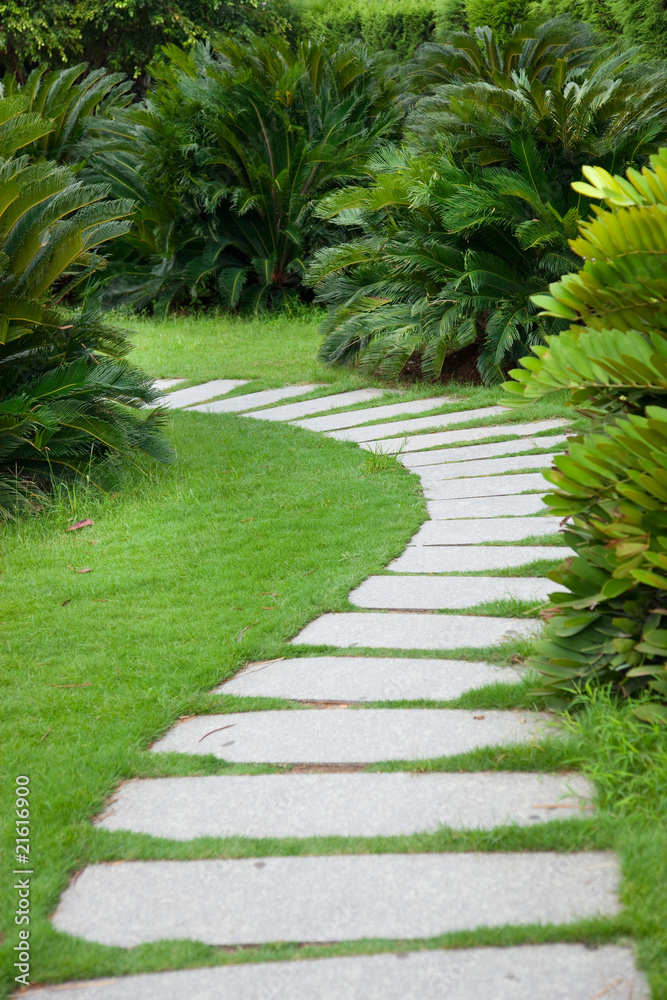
(220, 559)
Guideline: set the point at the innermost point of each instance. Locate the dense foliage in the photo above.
(66, 392)
(609, 626)
(225, 161)
(473, 216)
(396, 26)
(122, 35)
(400, 26)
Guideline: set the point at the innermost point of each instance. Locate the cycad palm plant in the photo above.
(484, 210)
(227, 158)
(66, 394)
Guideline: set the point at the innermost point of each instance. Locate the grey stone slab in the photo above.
(333, 898)
(473, 558)
(486, 486)
(375, 431)
(365, 678)
(348, 736)
(483, 467)
(293, 410)
(511, 506)
(167, 383)
(411, 631)
(254, 400)
(473, 531)
(448, 593)
(474, 452)
(335, 421)
(341, 805)
(572, 972)
(418, 442)
(198, 393)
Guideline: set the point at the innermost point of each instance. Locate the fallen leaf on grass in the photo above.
(269, 609)
(86, 685)
(246, 629)
(66, 602)
(44, 736)
(86, 523)
(100, 600)
(243, 520)
(86, 569)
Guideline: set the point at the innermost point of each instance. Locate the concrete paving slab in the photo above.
(483, 467)
(448, 593)
(511, 506)
(486, 486)
(255, 400)
(293, 410)
(167, 383)
(474, 558)
(333, 898)
(198, 393)
(335, 421)
(572, 972)
(342, 805)
(474, 452)
(348, 736)
(412, 631)
(474, 531)
(375, 431)
(418, 442)
(365, 678)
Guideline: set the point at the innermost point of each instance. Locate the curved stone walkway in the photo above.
(482, 493)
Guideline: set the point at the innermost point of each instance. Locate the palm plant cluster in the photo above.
(226, 160)
(67, 395)
(475, 212)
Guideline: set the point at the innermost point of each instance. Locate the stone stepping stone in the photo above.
(447, 593)
(471, 531)
(416, 631)
(341, 805)
(483, 467)
(485, 486)
(333, 898)
(335, 421)
(167, 383)
(348, 736)
(367, 678)
(374, 431)
(511, 506)
(573, 972)
(319, 405)
(419, 442)
(198, 393)
(254, 400)
(474, 558)
(474, 452)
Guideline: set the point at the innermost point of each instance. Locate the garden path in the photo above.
(483, 500)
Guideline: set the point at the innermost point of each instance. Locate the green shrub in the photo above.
(226, 160)
(608, 628)
(398, 26)
(473, 219)
(450, 17)
(501, 16)
(66, 393)
(122, 35)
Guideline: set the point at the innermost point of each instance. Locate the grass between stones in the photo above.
(221, 559)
